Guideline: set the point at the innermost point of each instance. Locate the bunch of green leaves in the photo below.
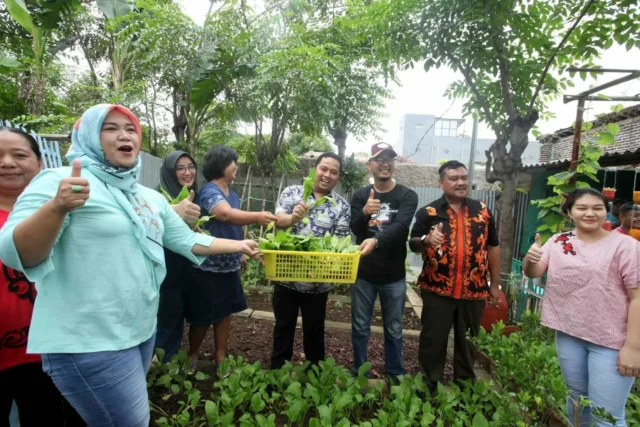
(184, 193)
(353, 176)
(520, 354)
(254, 275)
(633, 408)
(285, 241)
(562, 183)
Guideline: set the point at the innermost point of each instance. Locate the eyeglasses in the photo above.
(182, 169)
(381, 160)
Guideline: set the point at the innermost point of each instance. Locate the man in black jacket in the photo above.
(380, 218)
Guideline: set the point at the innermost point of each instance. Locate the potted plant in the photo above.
(636, 197)
(609, 193)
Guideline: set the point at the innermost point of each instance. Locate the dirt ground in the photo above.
(252, 339)
(336, 311)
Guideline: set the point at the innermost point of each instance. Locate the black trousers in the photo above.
(39, 401)
(286, 305)
(438, 315)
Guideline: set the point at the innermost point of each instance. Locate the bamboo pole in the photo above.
(248, 205)
(244, 187)
(275, 199)
(264, 200)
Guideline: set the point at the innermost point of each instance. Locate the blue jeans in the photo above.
(590, 371)
(107, 388)
(392, 299)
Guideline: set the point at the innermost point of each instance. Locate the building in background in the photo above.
(427, 141)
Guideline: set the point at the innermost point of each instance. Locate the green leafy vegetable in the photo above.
(184, 193)
(285, 241)
(308, 185)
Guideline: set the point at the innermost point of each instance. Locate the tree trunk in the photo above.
(504, 165)
(339, 133)
(154, 148)
(35, 104)
(92, 70)
(507, 225)
(179, 115)
(340, 139)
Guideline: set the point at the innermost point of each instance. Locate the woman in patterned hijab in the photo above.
(92, 240)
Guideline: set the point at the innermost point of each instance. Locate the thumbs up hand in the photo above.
(187, 210)
(373, 205)
(436, 237)
(73, 191)
(535, 251)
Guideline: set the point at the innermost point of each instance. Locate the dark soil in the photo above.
(336, 311)
(252, 339)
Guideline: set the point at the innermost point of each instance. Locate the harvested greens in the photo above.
(285, 241)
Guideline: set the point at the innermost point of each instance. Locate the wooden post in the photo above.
(577, 135)
(248, 206)
(576, 413)
(244, 187)
(275, 200)
(264, 200)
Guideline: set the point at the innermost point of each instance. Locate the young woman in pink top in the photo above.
(592, 301)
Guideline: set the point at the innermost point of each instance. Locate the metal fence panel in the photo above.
(50, 150)
(520, 213)
(150, 171)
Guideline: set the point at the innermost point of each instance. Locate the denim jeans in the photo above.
(107, 388)
(590, 371)
(392, 299)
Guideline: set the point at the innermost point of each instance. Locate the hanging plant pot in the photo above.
(609, 193)
(607, 226)
(636, 197)
(635, 233)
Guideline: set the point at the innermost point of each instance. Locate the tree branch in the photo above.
(553, 56)
(504, 76)
(480, 97)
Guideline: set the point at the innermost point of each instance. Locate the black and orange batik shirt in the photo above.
(459, 267)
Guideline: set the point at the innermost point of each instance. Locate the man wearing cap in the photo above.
(380, 218)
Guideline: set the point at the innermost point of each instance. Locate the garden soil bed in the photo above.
(336, 311)
(252, 339)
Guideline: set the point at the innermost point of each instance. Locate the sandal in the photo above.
(193, 367)
(217, 367)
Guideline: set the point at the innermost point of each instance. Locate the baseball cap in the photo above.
(382, 147)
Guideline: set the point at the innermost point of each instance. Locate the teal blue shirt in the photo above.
(97, 291)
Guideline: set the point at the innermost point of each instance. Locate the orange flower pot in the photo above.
(636, 197)
(635, 233)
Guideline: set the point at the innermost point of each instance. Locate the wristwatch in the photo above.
(376, 242)
(423, 240)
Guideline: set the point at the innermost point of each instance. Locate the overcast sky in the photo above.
(422, 93)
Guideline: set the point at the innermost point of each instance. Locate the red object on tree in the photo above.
(492, 313)
(609, 194)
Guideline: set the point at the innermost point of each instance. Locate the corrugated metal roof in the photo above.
(630, 158)
(626, 113)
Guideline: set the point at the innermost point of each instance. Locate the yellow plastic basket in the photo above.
(321, 267)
